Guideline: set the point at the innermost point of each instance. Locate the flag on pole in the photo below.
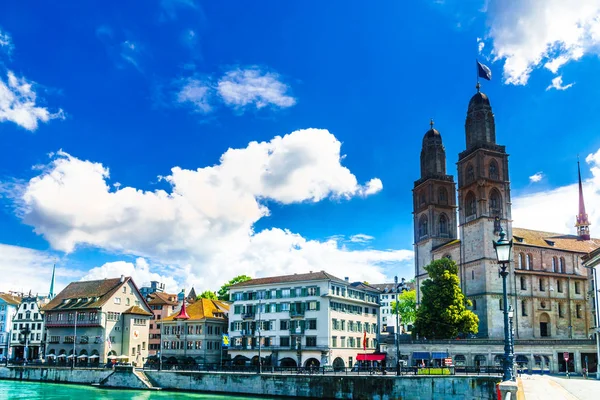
(108, 343)
(483, 71)
(365, 340)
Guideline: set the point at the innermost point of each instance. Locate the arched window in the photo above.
(524, 308)
(470, 205)
(521, 261)
(495, 203)
(448, 256)
(529, 263)
(470, 175)
(423, 226)
(493, 170)
(443, 224)
(554, 264)
(523, 283)
(443, 196)
(561, 265)
(422, 198)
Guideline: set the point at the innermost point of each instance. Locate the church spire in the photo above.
(582, 224)
(51, 293)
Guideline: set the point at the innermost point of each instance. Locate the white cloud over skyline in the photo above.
(535, 178)
(205, 224)
(557, 84)
(527, 34)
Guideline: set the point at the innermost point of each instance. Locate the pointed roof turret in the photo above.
(183, 312)
(51, 294)
(582, 221)
(433, 154)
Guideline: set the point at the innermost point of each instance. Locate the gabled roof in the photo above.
(204, 308)
(161, 298)
(10, 299)
(137, 311)
(559, 241)
(311, 276)
(390, 287)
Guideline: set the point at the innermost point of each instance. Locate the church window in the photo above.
(474, 302)
(578, 310)
(559, 286)
(472, 275)
(448, 256)
(561, 265)
(443, 224)
(554, 264)
(521, 261)
(523, 283)
(542, 287)
(493, 169)
(561, 312)
(529, 263)
(577, 288)
(423, 226)
(495, 203)
(470, 173)
(501, 304)
(422, 198)
(524, 308)
(470, 204)
(443, 196)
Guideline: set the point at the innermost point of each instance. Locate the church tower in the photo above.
(484, 206)
(434, 204)
(582, 223)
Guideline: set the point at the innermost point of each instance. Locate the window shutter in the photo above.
(268, 294)
(318, 291)
(278, 307)
(231, 328)
(278, 293)
(302, 324)
(231, 297)
(245, 296)
(318, 305)
(304, 292)
(302, 307)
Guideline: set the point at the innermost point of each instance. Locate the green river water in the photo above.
(52, 391)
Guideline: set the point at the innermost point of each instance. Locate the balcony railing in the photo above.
(298, 330)
(296, 313)
(248, 315)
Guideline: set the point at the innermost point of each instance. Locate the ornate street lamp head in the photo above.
(503, 248)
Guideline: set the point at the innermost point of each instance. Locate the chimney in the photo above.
(347, 279)
(122, 278)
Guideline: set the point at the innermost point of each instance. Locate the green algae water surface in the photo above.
(52, 391)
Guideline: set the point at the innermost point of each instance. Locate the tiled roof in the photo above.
(10, 299)
(389, 287)
(87, 294)
(161, 298)
(137, 311)
(203, 308)
(547, 239)
(311, 276)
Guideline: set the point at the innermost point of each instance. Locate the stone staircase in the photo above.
(144, 378)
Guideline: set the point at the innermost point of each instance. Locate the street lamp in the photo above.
(503, 248)
(259, 333)
(399, 288)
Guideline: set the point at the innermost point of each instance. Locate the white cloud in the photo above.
(206, 221)
(480, 44)
(18, 103)
(531, 33)
(557, 84)
(140, 272)
(251, 86)
(198, 93)
(532, 210)
(130, 53)
(26, 269)
(6, 43)
(361, 238)
(536, 177)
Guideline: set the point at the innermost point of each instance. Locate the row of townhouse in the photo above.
(310, 319)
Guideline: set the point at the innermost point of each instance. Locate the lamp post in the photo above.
(399, 288)
(503, 248)
(259, 333)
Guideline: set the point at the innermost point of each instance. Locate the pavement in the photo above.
(545, 387)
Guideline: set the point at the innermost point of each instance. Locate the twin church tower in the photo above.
(484, 207)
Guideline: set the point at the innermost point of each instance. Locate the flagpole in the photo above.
(477, 74)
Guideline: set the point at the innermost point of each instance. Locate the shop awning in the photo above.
(370, 357)
(421, 355)
(439, 355)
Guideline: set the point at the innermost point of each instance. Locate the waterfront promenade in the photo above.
(544, 387)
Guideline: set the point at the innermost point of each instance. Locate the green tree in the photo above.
(406, 306)
(207, 294)
(443, 311)
(223, 293)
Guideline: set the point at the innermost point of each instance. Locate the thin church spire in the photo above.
(582, 222)
(51, 294)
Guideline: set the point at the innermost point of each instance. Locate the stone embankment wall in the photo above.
(332, 387)
(313, 386)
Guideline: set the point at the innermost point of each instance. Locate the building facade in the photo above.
(592, 262)
(547, 284)
(27, 330)
(153, 287)
(311, 319)
(162, 305)
(194, 335)
(95, 321)
(8, 309)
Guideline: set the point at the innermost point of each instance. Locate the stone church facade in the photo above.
(547, 284)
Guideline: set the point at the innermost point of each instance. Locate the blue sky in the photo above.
(112, 117)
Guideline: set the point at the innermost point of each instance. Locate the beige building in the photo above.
(547, 284)
(194, 334)
(95, 321)
(311, 319)
(162, 305)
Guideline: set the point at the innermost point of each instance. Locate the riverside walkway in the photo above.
(544, 387)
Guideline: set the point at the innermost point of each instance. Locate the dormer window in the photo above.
(550, 242)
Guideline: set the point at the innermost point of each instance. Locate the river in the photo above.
(54, 391)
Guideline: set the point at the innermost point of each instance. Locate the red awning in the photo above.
(370, 357)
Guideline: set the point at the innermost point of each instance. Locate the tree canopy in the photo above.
(406, 306)
(223, 293)
(207, 294)
(443, 312)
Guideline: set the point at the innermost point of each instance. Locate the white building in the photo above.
(27, 330)
(592, 261)
(8, 309)
(310, 319)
